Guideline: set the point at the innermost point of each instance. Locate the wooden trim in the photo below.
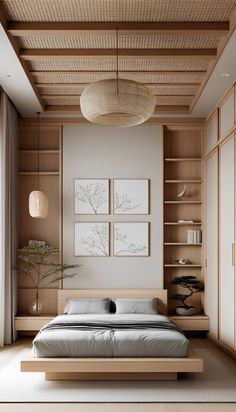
(50, 54)
(130, 376)
(76, 109)
(59, 85)
(24, 65)
(222, 346)
(160, 72)
(71, 28)
(160, 294)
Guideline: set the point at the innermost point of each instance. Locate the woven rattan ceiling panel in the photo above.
(142, 78)
(131, 41)
(157, 90)
(74, 100)
(121, 10)
(140, 64)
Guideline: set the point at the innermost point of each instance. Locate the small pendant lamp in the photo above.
(38, 201)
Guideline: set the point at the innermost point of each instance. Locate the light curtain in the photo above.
(8, 219)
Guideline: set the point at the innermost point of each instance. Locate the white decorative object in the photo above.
(38, 204)
(131, 196)
(117, 102)
(131, 239)
(182, 311)
(92, 196)
(92, 239)
(182, 193)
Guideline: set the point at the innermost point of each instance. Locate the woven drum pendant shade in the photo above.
(117, 103)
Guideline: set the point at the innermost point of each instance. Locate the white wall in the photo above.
(98, 152)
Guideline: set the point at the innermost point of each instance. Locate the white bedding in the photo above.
(133, 341)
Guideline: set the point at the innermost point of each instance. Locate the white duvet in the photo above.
(110, 342)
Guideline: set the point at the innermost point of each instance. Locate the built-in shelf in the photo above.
(189, 202)
(182, 224)
(181, 244)
(40, 173)
(183, 159)
(176, 265)
(39, 151)
(184, 181)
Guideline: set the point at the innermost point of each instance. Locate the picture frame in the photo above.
(131, 239)
(92, 239)
(91, 196)
(131, 196)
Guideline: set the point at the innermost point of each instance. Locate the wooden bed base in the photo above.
(57, 369)
(113, 368)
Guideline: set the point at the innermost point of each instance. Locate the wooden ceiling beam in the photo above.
(50, 54)
(73, 96)
(73, 85)
(70, 28)
(76, 109)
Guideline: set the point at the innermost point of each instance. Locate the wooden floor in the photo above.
(32, 393)
(111, 407)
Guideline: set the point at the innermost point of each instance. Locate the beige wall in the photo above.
(98, 152)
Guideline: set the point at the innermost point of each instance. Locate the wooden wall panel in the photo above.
(226, 114)
(211, 132)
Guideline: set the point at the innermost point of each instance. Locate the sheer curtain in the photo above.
(8, 219)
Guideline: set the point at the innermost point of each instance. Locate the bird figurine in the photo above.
(182, 261)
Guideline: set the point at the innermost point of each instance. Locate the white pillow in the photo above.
(145, 306)
(80, 306)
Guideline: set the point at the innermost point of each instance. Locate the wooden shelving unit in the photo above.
(48, 229)
(182, 166)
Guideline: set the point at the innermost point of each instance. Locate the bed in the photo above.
(111, 346)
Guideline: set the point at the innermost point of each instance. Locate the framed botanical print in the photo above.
(131, 196)
(91, 196)
(92, 239)
(131, 239)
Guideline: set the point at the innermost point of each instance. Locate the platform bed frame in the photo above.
(57, 369)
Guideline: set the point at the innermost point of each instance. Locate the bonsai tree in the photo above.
(35, 261)
(191, 284)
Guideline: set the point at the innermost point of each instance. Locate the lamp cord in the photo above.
(38, 114)
(117, 63)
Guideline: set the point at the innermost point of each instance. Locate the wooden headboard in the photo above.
(160, 294)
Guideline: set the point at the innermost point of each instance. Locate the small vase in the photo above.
(183, 311)
(36, 306)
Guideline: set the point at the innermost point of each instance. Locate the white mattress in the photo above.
(110, 342)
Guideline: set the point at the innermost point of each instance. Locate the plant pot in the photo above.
(183, 311)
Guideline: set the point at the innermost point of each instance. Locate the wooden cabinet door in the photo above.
(211, 278)
(226, 232)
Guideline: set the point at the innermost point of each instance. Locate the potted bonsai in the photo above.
(36, 262)
(193, 285)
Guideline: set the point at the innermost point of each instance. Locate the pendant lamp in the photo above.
(117, 102)
(38, 201)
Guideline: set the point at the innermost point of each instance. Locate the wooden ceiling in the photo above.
(170, 45)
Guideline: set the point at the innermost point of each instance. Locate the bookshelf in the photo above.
(182, 166)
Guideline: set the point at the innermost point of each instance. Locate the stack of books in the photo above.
(194, 236)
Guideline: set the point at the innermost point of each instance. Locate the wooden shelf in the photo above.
(189, 202)
(31, 323)
(176, 265)
(39, 151)
(181, 244)
(191, 323)
(183, 159)
(182, 224)
(40, 173)
(184, 181)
